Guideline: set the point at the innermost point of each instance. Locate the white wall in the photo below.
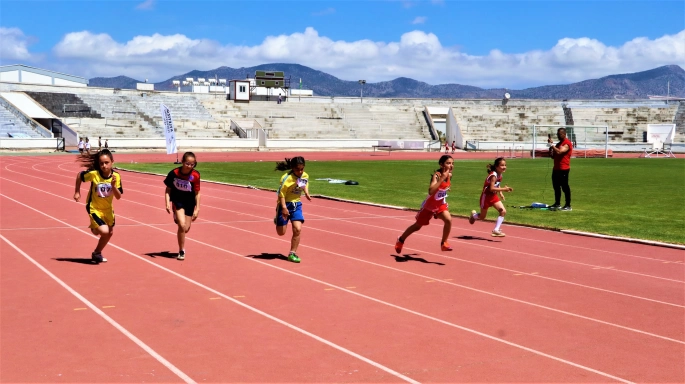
(10, 76)
(27, 105)
(69, 83)
(145, 86)
(43, 143)
(35, 78)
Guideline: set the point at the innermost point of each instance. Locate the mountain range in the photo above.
(624, 86)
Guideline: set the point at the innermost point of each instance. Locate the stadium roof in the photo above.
(40, 71)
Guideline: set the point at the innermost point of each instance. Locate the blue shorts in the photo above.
(295, 210)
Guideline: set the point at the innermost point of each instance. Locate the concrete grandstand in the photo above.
(132, 119)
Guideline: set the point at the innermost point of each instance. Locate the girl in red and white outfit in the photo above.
(435, 205)
(447, 147)
(489, 197)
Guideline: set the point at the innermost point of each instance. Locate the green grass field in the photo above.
(640, 198)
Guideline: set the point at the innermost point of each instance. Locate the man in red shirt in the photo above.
(561, 153)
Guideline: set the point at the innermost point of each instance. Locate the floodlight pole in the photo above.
(361, 95)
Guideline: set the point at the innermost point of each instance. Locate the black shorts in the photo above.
(187, 206)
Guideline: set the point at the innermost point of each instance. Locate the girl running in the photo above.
(289, 207)
(489, 196)
(87, 150)
(435, 205)
(81, 145)
(104, 185)
(182, 195)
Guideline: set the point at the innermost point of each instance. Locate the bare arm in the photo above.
(559, 151)
(437, 179)
(167, 199)
(306, 192)
(115, 190)
(196, 212)
(77, 187)
(498, 189)
(284, 208)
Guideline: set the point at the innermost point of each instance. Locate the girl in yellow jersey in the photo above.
(105, 184)
(289, 207)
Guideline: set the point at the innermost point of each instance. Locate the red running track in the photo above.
(535, 306)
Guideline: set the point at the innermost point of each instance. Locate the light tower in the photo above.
(361, 95)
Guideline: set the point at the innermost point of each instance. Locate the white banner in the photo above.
(169, 132)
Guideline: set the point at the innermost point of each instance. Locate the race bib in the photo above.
(441, 195)
(183, 185)
(104, 189)
(302, 182)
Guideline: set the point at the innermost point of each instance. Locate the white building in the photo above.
(19, 73)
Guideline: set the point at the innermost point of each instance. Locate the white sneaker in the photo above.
(496, 233)
(181, 255)
(472, 219)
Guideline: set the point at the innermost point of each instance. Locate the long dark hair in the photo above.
(91, 161)
(289, 163)
(442, 161)
(491, 167)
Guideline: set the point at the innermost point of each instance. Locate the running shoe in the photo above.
(181, 255)
(566, 208)
(445, 246)
(472, 219)
(398, 246)
(293, 257)
(97, 257)
(496, 233)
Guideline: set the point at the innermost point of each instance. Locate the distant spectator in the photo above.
(447, 147)
(279, 99)
(87, 150)
(106, 145)
(99, 143)
(561, 152)
(81, 145)
(454, 146)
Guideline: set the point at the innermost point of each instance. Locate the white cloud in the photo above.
(417, 54)
(327, 11)
(419, 20)
(14, 46)
(146, 5)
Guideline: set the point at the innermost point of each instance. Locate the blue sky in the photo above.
(511, 44)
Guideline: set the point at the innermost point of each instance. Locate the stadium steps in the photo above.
(9, 123)
(57, 103)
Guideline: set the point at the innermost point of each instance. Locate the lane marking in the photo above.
(238, 296)
(108, 319)
(397, 374)
(108, 306)
(144, 177)
(80, 309)
(214, 298)
(253, 309)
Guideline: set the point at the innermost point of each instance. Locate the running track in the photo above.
(536, 306)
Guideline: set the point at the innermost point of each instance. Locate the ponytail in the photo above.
(492, 167)
(91, 161)
(289, 163)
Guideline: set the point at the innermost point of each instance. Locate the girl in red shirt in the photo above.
(489, 197)
(435, 205)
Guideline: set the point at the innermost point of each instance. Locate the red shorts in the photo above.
(425, 215)
(487, 200)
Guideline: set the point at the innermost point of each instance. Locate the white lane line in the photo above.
(97, 310)
(418, 250)
(456, 241)
(135, 173)
(539, 353)
(253, 309)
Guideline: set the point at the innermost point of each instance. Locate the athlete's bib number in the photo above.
(441, 195)
(104, 190)
(183, 185)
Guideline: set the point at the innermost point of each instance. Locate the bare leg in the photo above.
(447, 219)
(105, 234)
(295, 241)
(411, 229)
(183, 223)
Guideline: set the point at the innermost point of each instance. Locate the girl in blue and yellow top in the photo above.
(105, 184)
(289, 207)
